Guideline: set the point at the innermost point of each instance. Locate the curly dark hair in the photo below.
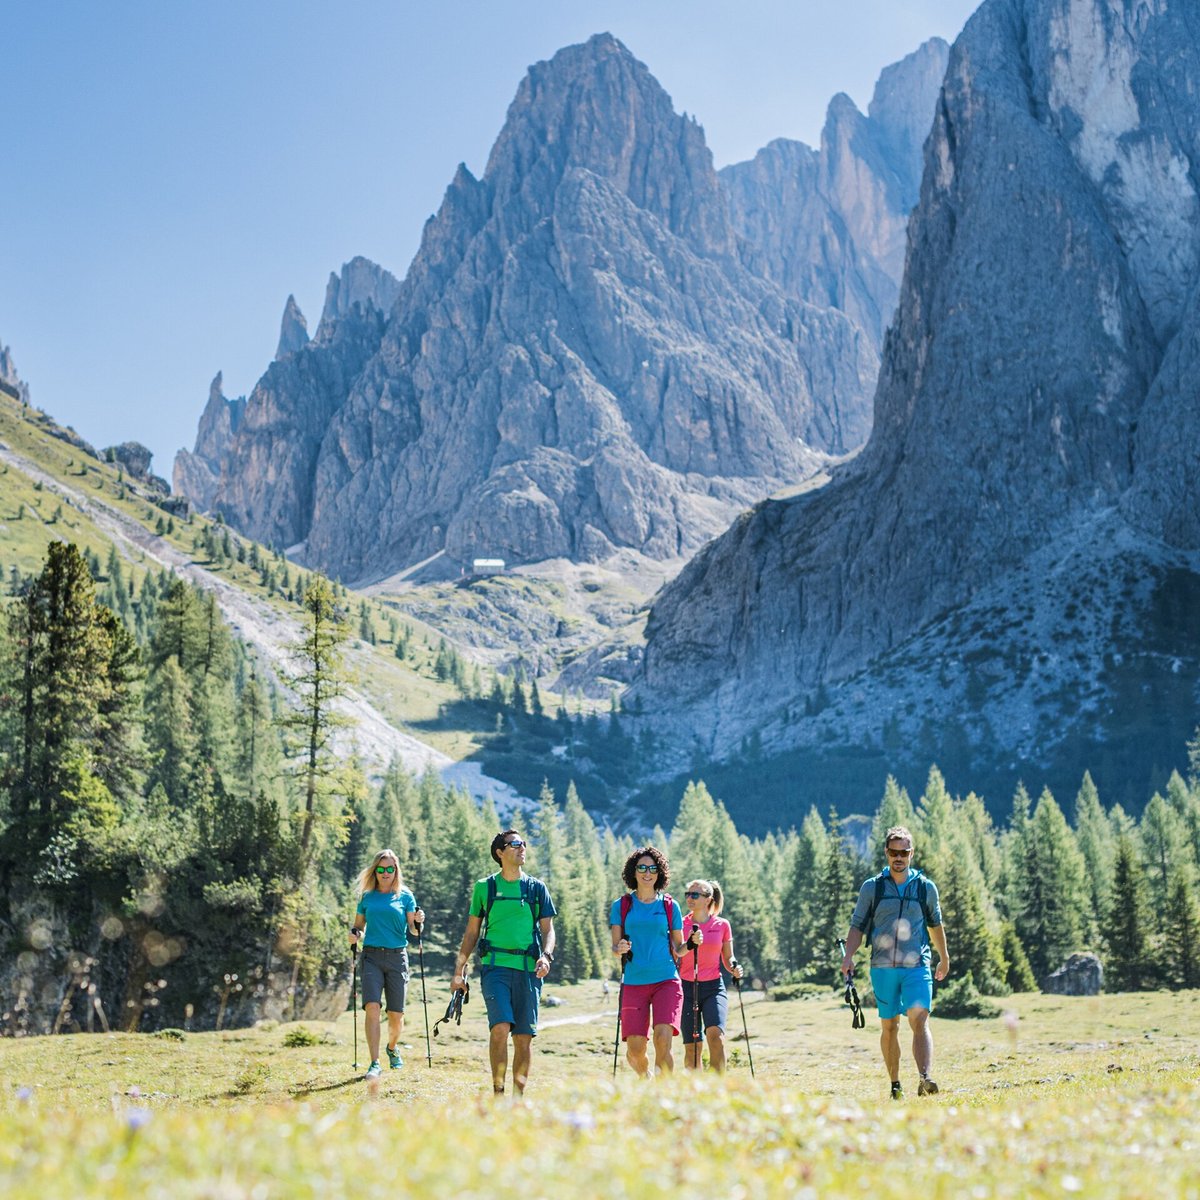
(629, 871)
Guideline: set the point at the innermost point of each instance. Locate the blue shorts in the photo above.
(897, 989)
(384, 973)
(511, 997)
(714, 1006)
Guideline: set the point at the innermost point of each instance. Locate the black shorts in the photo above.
(384, 972)
(714, 1006)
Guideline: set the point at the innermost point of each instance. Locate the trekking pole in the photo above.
(424, 1001)
(696, 1034)
(354, 996)
(850, 996)
(620, 999)
(745, 1028)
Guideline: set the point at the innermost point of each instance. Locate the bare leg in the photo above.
(889, 1043)
(692, 1058)
(372, 1027)
(635, 1053)
(498, 1053)
(395, 1024)
(922, 1039)
(664, 1060)
(716, 1048)
(522, 1056)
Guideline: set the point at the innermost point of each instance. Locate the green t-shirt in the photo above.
(509, 927)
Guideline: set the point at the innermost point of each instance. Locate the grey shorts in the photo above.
(384, 972)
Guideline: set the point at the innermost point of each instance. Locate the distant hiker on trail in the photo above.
(706, 999)
(646, 925)
(512, 922)
(388, 913)
(897, 914)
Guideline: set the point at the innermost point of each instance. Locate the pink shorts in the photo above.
(639, 1000)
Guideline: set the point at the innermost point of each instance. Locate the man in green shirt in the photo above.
(512, 922)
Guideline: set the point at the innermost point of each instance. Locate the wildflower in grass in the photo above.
(24, 1094)
(136, 1118)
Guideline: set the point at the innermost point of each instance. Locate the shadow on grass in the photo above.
(301, 1093)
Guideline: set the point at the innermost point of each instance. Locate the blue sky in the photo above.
(174, 169)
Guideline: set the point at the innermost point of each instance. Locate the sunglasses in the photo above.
(515, 844)
(697, 895)
(647, 868)
(385, 870)
(898, 853)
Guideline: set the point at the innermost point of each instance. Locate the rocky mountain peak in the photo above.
(361, 283)
(828, 226)
(293, 330)
(594, 107)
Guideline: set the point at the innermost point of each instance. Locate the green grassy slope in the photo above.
(1088, 1096)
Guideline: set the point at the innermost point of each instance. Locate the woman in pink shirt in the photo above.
(700, 969)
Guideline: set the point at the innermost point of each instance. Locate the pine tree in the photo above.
(319, 681)
(1183, 925)
(1162, 840)
(1098, 847)
(1128, 964)
(1050, 888)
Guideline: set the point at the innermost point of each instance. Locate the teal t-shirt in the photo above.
(387, 917)
(509, 926)
(646, 929)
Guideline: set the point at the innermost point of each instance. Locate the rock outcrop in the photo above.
(15, 386)
(579, 359)
(196, 472)
(293, 330)
(1036, 425)
(828, 226)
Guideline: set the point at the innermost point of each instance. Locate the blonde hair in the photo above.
(716, 900)
(368, 882)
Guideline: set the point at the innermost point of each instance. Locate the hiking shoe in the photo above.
(926, 1087)
(897, 1090)
(396, 1062)
(374, 1070)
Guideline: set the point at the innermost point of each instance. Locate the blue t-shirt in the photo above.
(899, 937)
(387, 917)
(646, 929)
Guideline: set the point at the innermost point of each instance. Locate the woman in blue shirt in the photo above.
(646, 925)
(387, 913)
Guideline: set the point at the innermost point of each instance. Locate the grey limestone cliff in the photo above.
(1037, 404)
(828, 225)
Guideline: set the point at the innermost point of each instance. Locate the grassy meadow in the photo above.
(1096, 1097)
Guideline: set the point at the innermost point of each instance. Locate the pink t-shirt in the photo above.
(717, 932)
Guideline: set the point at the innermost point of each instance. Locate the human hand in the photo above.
(542, 969)
(459, 982)
(848, 966)
(419, 916)
(737, 971)
(696, 937)
(623, 946)
(355, 934)
(942, 969)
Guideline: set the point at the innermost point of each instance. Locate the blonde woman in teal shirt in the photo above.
(387, 913)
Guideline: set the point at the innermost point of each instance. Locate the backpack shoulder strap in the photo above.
(626, 905)
(923, 898)
(491, 899)
(669, 913)
(880, 884)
